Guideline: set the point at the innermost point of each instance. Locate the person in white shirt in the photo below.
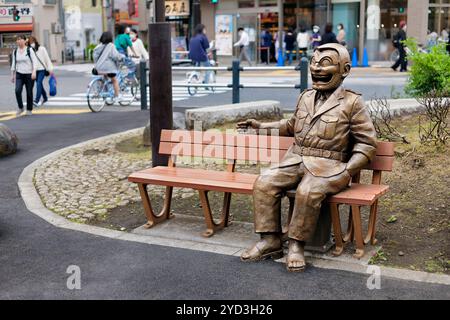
(44, 68)
(138, 47)
(303, 41)
(23, 73)
(341, 34)
(243, 46)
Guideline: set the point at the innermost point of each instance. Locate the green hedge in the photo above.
(429, 71)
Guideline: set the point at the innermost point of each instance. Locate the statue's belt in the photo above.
(307, 151)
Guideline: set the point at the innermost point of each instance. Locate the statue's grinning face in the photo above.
(325, 70)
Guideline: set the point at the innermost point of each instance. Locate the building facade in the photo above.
(369, 24)
(83, 25)
(41, 18)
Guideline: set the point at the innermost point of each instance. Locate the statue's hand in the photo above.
(249, 123)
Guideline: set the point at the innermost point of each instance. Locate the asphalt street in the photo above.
(35, 255)
(74, 79)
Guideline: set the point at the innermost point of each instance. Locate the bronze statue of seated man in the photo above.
(334, 139)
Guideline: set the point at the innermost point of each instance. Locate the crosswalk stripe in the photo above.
(80, 99)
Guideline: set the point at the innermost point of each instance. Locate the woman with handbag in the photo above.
(44, 69)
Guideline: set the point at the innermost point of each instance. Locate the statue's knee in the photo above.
(264, 184)
(309, 196)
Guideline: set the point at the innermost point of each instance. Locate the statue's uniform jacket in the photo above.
(331, 143)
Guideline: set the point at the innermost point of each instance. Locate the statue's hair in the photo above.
(340, 49)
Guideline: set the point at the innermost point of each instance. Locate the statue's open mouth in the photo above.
(321, 78)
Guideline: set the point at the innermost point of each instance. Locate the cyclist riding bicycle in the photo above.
(198, 50)
(107, 60)
(123, 43)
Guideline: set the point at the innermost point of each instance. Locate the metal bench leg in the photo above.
(349, 234)
(226, 208)
(339, 248)
(357, 227)
(211, 225)
(370, 237)
(153, 219)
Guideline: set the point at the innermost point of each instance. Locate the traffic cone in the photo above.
(280, 62)
(365, 62)
(354, 58)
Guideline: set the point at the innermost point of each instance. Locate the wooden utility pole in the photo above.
(196, 15)
(160, 80)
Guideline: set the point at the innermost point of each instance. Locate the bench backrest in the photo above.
(219, 145)
(258, 148)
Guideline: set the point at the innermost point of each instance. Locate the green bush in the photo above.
(429, 71)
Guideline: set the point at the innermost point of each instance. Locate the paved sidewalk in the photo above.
(35, 254)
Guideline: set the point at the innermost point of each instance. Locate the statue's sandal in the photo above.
(299, 268)
(255, 254)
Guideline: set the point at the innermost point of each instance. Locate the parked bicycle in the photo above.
(100, 90)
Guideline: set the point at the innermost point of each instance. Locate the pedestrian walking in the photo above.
(198, 46)
(398, 43)
(138, 47)
(341, 35)
(23, 73)
(303, 41)
(328, 36)
(316, 38)
(266, 44)
(107, 58)
(289, 41)
(243, 44)
(44, 69)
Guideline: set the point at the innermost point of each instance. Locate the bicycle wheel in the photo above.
(129, 92)
(109, 99)
(194, 79)
(394, 56)
(95, 95)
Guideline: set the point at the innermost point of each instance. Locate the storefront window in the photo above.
(309, 12)
(382, 23)
(246, 3)
(268, 3)
(439, 19)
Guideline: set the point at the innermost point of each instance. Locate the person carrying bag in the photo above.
(44, 69)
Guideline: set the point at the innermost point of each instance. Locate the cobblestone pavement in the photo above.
(83, 183)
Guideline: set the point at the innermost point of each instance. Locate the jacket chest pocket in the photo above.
(300, 121)
(327, 127)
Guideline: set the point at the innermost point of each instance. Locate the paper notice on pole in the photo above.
(224, 34)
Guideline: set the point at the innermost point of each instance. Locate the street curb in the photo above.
(34, 204)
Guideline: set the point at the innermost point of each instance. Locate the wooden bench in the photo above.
(257, 149)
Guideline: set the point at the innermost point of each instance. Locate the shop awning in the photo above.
(24, 27)
(127, 22)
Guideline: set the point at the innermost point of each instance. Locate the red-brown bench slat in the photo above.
(223, 139)
(221, 152)
(198, 179)
(360, 194)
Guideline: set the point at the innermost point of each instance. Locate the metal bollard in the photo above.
(63, 60)
(235, 68)
(143, 84)
(304, 65)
